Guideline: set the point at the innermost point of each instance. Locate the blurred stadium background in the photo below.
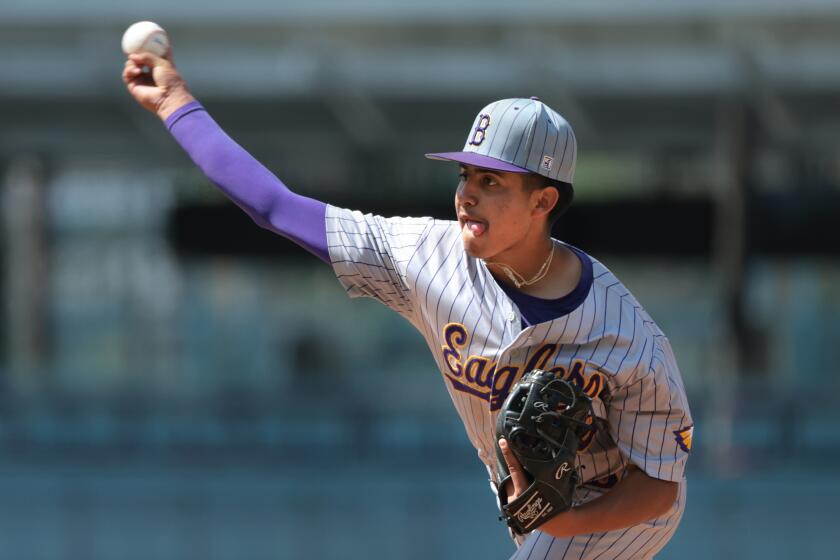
(176, 383)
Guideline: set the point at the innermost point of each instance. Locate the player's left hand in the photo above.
(518, 482)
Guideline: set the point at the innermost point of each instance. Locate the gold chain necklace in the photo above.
(519, 280)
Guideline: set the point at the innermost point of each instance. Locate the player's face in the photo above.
(495, 211)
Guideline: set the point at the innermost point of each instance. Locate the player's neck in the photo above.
(527, 260)
(562, 278)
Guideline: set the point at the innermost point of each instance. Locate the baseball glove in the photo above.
(542, 420)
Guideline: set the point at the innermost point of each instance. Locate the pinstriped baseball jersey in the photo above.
(608, 344)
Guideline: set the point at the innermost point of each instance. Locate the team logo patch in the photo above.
(547, 162)
(684, 436)
(480, 132)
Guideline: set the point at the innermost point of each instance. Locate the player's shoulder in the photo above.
(408, 238)
(346, 217)
(620, 308)
(625, 338)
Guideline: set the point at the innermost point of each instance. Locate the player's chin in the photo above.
(473, 246)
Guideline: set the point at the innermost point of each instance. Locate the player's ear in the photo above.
(546, 199)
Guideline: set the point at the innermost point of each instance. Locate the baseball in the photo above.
(145, 36)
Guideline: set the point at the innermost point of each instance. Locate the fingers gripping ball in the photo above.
(543, 420)
(145, 36)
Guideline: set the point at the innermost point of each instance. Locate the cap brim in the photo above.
(478, 160)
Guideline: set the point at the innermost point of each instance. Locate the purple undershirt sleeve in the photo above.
(247, 182)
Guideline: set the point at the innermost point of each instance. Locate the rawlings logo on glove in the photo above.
(531, 511)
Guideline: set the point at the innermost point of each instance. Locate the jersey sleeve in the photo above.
(370, 254)
(649, 417)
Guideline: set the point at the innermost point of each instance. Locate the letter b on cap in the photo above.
(480, 131)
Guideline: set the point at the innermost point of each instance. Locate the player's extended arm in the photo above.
(241, 177)
(634, 499)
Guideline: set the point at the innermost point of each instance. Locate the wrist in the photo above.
(173, 102)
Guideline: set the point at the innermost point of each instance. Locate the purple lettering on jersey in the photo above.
(476, 375)
(575, 375)
(455, 336)
(481, 377)
(594, 385)
(502, 383)
(476, 371)
(541, 357)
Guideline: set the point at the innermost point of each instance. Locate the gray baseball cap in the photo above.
(519, 136)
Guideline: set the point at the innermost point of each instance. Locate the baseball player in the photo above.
(494, 296)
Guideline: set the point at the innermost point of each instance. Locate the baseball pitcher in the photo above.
(567, 389)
